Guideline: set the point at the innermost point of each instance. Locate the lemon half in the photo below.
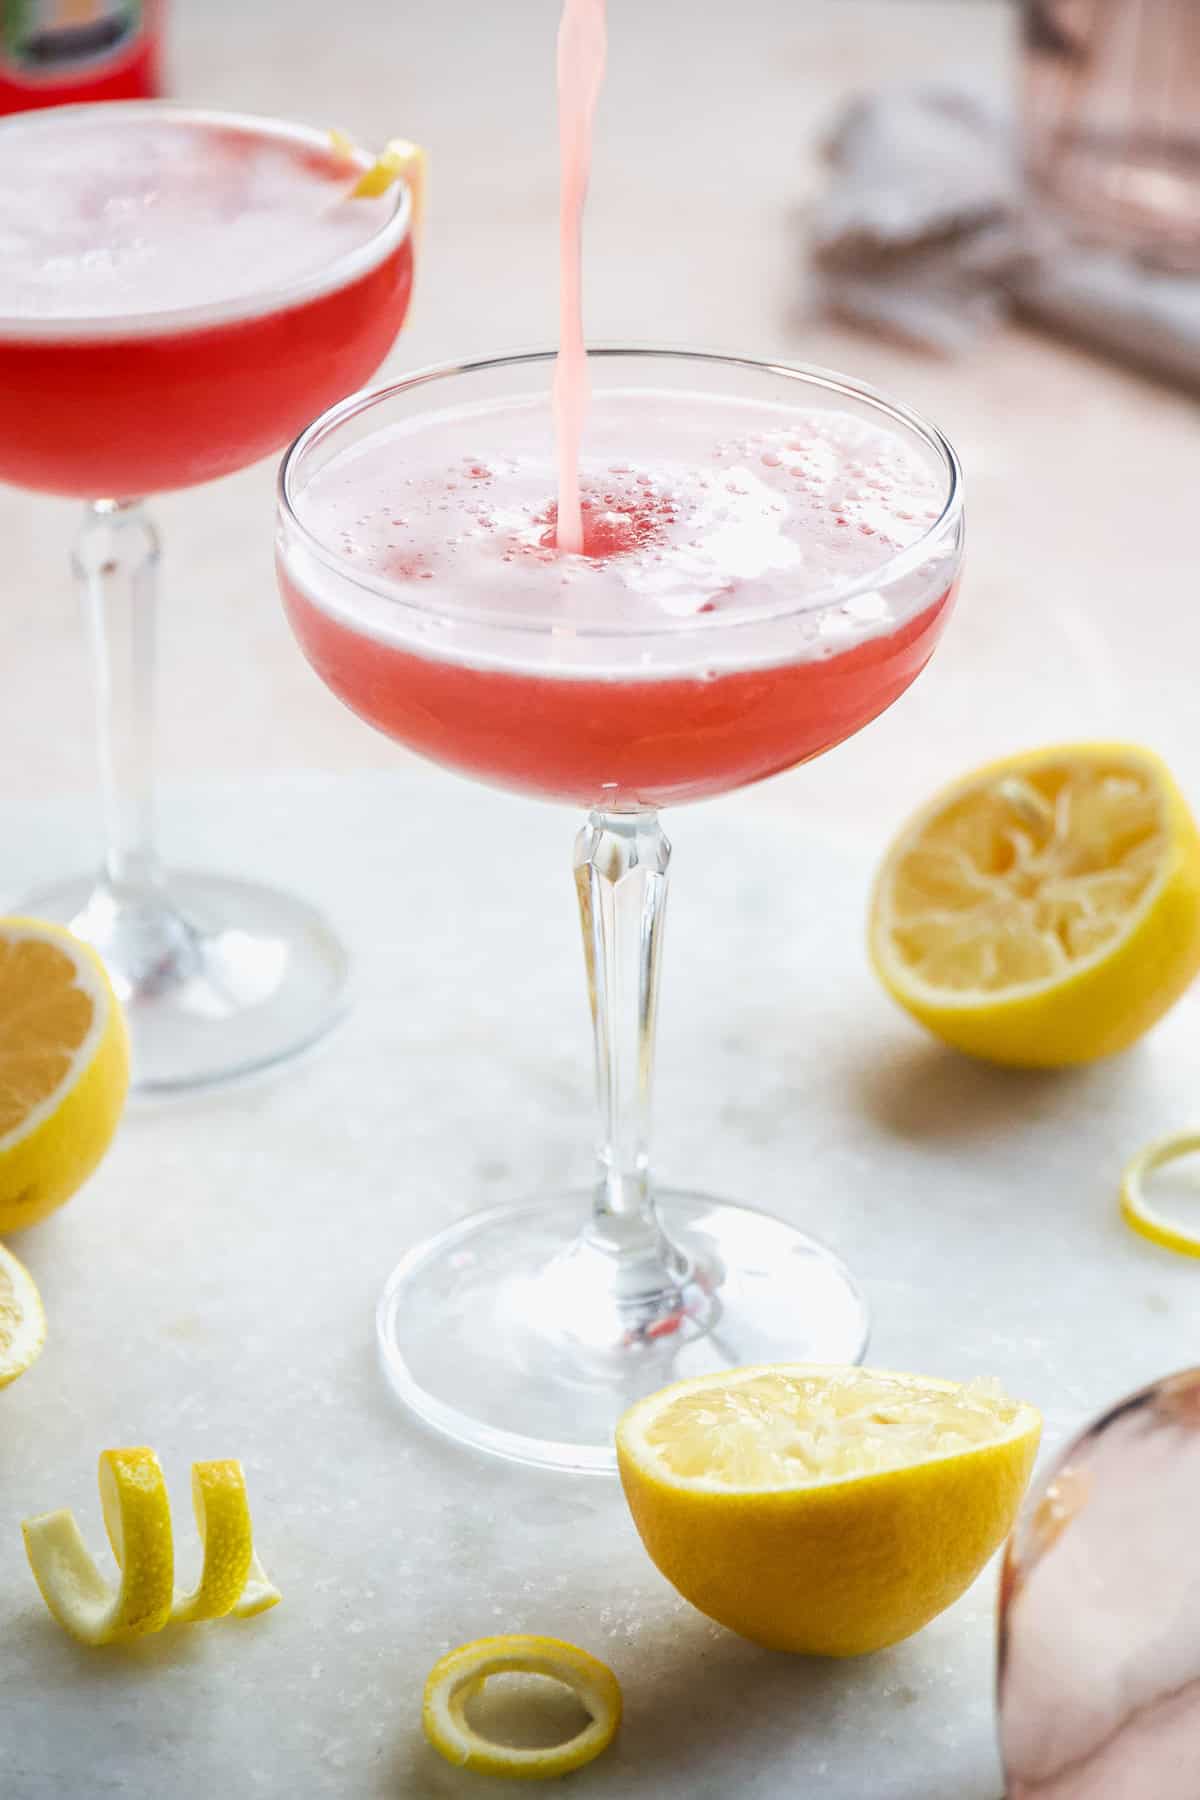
(22, 1320)
(824, 1510)
(64, 1067)
(1044, 910)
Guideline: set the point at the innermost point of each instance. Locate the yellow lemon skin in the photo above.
(41, 1168)
(839, 1568)
(1103, 1004)
(461, 1674)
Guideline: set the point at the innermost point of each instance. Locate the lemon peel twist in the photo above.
(401, 160)
(137, 1519)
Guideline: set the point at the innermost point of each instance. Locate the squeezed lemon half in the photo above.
(22, 1320)
(1044, 910)
(824, 1510)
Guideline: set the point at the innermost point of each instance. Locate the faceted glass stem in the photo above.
(218, 976)
(621, 868)
(115, 560)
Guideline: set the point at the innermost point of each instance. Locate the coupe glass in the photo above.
(527, 1329)
(1099, 1666)
(219, 976)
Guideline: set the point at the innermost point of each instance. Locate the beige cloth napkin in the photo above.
(922, 234)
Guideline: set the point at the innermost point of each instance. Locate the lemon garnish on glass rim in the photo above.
(22, 1320)
(137, 1518)
(64, 1067)
(459, 1677)
(825, 1510)
(1144, 1217)
(401, 160)
(1044, 910)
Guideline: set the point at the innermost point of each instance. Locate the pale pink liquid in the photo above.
(693, 648)
(582, 45)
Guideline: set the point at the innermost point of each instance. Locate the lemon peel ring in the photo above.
(137, 1519)
(459, 1676)
(1137, 1211)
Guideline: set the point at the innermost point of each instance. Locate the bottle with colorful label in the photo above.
(56, 52)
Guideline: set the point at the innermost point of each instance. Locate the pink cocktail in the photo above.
(179, 290)
(768, 557)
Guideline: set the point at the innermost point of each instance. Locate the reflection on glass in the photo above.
(1099, 1673)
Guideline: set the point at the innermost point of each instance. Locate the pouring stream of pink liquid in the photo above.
(582, 44)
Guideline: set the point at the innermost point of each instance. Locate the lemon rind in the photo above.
(137, 1520)
(461, 1673)
(1138, 1212)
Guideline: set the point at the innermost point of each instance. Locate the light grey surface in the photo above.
(211, 1292)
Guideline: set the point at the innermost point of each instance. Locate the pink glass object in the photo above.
(1112, 124)
(1099, 1674)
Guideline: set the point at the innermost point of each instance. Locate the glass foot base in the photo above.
(502, 1334)
(218, 977)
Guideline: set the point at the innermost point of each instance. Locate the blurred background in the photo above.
(1079, 610)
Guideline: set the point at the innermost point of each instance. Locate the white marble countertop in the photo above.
(211, 1292)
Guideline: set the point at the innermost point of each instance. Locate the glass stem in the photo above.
(115, 560)
(621, 863)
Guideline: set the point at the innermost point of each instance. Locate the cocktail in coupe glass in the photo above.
(770, 554)
(179, 291)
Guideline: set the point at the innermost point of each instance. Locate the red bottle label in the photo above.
(56, 51)
(57, 38)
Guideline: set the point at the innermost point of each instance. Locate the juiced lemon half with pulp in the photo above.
(825, 1510)
(22, 1320)
(1044, 910)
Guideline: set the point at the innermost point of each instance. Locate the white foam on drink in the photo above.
(107, 213)
(718, 513)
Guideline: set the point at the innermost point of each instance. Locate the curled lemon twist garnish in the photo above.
(459, 1677)
(401, 160)
(137, 1518)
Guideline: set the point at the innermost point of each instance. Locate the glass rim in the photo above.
(903, 562)
(97, 328)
